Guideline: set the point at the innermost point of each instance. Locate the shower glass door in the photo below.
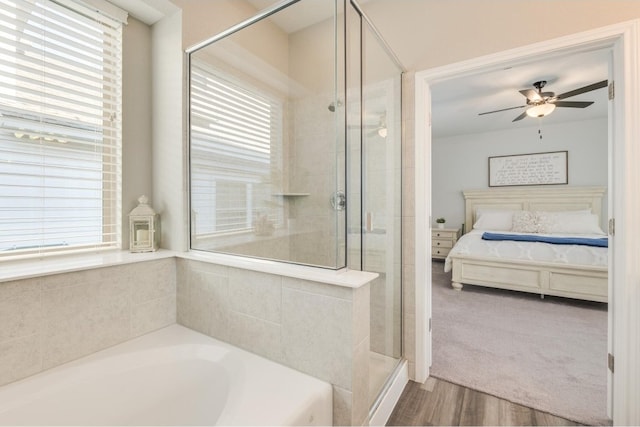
(381, 185)
(267, 136)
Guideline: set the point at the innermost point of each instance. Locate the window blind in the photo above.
(236, 140)
(60, 127)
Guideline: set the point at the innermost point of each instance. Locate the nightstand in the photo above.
(442, 240)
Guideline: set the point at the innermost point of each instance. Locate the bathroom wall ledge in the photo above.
(28, 268)
(344, 277)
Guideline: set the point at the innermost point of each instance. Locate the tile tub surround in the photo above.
(48, 320)
(313, 320)
(317, 328)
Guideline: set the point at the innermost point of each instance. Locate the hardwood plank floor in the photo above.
(441, 403)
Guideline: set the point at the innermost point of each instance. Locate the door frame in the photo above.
(624, 204)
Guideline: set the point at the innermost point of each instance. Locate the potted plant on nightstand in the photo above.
(440, 222)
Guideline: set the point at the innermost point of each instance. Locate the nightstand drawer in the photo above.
(441, 234)
(439, 252)
(441, 243)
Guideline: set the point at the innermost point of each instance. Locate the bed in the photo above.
(561, 270)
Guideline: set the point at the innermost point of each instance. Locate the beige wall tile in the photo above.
(208, 302)
(14, 289)
(361, 310)
(256, 335)
(153, 280)
(20, 316)
(20, 358)
(68, 302)
(316, 335)
(342, 407)
(317, 288)
(153, 315)
(256, 294)
(114, 281)
(66, 316)
(360, 388)
(64, 340)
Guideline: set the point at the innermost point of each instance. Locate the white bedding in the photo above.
(471, 244)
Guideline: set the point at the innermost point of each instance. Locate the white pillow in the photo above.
(571, 222)
(493, 220)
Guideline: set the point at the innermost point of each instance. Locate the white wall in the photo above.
(169, 164)
(461, 162)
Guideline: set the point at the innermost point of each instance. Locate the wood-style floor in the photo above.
(441, 403)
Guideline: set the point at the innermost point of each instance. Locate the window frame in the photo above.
(108, 24)
(276, 121)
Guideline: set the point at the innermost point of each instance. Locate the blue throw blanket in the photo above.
(602, 242)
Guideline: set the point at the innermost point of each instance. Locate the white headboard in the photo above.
(539, 198)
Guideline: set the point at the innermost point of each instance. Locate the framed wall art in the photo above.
(529, 169)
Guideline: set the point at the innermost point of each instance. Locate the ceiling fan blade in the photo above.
(584, 89)
(531, 95)
(504, 109)
(573, 104)
(520, 117)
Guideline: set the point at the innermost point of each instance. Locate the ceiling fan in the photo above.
(540, 104)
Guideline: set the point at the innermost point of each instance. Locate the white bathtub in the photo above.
(173, 376)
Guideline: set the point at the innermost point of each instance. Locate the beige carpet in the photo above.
(548, 354)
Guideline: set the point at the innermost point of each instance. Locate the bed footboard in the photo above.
(580, 282)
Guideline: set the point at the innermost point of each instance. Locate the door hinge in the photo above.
(429, 324)
(611, 362)
(612, 226)
(612, 91)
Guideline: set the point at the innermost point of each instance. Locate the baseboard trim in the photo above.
(391, 396)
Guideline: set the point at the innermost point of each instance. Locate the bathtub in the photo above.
(173, 376)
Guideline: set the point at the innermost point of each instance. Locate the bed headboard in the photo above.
(543, 198)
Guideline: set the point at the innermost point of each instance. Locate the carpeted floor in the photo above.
(547, 354)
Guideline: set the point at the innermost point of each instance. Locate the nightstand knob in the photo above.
(438, 243)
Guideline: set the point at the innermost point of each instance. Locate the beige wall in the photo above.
(136, 119)
(430, 33)
(205, 18)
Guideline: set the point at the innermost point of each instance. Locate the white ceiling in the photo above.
(147, 11)
(301, 15)
(457, 102)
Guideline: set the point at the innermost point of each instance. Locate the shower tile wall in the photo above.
(50, 320)
(319, 329)
(408, 224)
(312, 170)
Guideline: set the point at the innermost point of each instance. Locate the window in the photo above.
(236, 139)
(60, 127)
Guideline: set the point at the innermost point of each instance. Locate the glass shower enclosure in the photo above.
(294, 141)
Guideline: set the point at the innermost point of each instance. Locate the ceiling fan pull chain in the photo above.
(540, 128)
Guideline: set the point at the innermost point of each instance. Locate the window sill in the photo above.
(25, 269)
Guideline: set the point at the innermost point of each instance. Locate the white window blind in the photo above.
(60, 127)
(236, 140)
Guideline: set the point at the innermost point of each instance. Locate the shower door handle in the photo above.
(339, 200)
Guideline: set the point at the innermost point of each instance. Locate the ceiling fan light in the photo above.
(541, 110)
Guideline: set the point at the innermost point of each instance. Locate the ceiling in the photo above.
(301, 15)
(147, 11)
(457, 102)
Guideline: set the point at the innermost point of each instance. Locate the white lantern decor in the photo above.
(144, 227)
